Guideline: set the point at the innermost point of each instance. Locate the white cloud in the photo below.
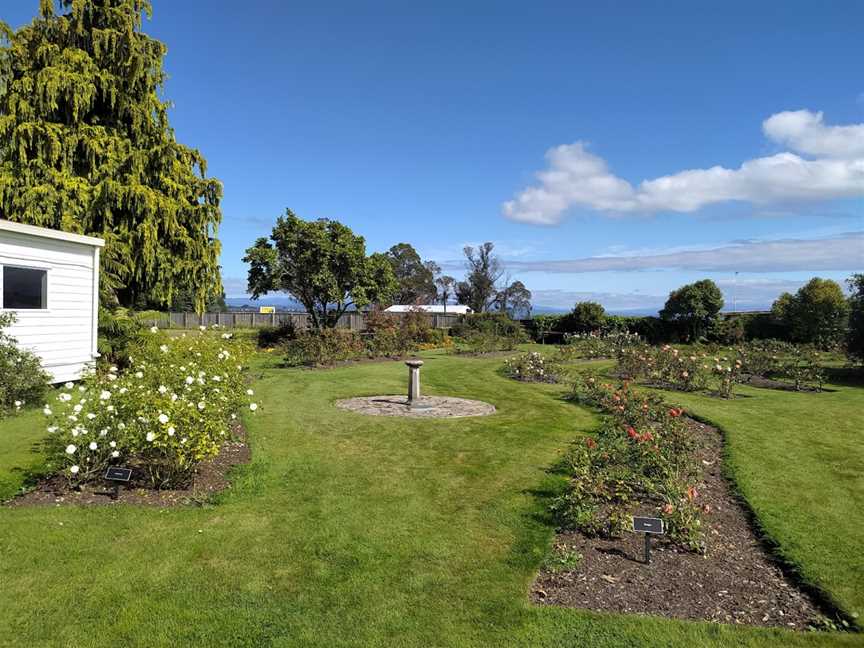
(804, 131)
(576, 177)
(838, 253)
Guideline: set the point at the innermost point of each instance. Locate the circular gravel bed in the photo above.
(425, 407)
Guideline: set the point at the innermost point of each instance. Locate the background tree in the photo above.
(817, 313)
(484, 270)
(695, 306)
(322, 264)
(515, 300)
(416, 278)
(585, 317)
(446, 286)
(855, 335)
(86, 147)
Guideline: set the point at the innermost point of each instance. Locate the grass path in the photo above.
(345, 530)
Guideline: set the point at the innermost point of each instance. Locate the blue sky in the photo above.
(430, 124)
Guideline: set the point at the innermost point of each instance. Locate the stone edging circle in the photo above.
(425, 407)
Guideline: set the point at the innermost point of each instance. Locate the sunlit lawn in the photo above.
(357, 531)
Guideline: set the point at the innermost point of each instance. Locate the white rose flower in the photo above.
(112, 444)
(70, 449)
(47, 411)
(139, 374)
(162, 389)
(250, 392)
(69, 385)
(253, 406)
(105, 395)
(150, 436)
(74, 469)
(163, 419)
(52, 429)
(200, 405)
(164, 348)
(171, 431)
(115, 454)
(93, 445)
(189, 380)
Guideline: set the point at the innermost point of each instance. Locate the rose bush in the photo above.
(643, 454)
(532, 367)
(164, 414)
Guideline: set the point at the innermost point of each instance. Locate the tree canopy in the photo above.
(416, 278)
(695, 306)
(585, 317)
(86, 147)
(855, 336)
(816, 314)
(484, 270)
(514, 299)
(322, 264)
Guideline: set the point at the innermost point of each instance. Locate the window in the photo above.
(24, 288)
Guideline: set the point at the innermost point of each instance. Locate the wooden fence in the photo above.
(252, 319)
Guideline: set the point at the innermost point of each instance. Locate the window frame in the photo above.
(26, 266)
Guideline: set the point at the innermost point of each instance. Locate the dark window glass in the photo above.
(24, 288)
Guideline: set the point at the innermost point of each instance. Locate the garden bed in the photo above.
(210, 478)
(735, 582)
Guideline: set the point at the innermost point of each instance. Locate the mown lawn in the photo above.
(358, 531)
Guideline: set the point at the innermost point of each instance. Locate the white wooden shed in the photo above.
(50, 280)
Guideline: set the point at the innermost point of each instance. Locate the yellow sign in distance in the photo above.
(267, 309)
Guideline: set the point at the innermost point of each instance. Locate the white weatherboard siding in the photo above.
(63, 334)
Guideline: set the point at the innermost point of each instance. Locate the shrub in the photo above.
(272, 336)
(728, 374)
(665, 366)
(163, 415)
(584, 318)
(323, 347)
(488, 332)
(642, 454)
(597, 344)
(22, 379)
(119, 330)
(532, 367)
(855, 335)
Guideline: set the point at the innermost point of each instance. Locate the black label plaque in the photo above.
(648, 525)
(118, 474)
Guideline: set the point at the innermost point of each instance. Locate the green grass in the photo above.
(19, 455)
(349, 530)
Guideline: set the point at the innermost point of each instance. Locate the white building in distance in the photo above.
(50, 281)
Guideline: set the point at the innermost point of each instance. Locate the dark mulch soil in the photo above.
(736, 581)
(769, 383)
(210, 478)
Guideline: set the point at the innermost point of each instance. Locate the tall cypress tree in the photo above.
(86, 147)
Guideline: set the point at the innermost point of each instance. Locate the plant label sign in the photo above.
(648, 525)
(117, 474)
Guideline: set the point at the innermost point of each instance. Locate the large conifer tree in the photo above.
(86, 147)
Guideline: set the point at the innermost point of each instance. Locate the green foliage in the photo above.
(163, 415)
(323, 347)
(416, 279)
(584, 318)
(643, 454)
(484, 271)
(87, 148)
(543, 325)
(816, 314)
(855, 336)
(487, 333)
(119, 330)
(272, 336)
(22, 380)
(514, 300)
(322, 264)
(562, 559)
(694, 306)
(591, 346)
